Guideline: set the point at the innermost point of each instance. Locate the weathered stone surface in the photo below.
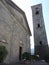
(13, 29)
(40, 38)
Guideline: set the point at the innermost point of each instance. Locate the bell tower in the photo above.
(40, 39)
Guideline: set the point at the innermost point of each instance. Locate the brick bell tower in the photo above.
(40, 39)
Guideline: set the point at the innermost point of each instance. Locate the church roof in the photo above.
(11, 3)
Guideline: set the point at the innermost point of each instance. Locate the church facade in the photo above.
(14, 31)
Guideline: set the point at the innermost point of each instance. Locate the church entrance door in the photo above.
(20, 53)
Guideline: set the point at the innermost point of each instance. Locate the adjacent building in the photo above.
(14, 31)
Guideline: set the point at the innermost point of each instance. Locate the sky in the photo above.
(25, 5)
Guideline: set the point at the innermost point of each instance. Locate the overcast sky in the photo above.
(25, 5)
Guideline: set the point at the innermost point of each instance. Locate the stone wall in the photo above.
(40, 38)
(12, 32)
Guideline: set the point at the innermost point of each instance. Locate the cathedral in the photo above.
(14, 31)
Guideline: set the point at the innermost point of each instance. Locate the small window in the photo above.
(37, 12)
(40, 43)
(38, 25)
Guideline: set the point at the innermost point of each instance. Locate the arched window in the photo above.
(40, 43)
(38, 25)
(37, 12)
